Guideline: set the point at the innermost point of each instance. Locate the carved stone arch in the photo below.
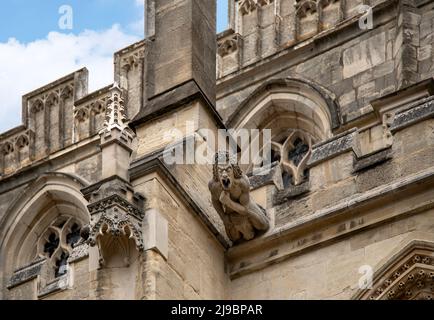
(98, 107)
(305, 6)
(37, 106)
(293, 95)
(22, 141)
(97, 118)
(67, 92)
(82, 114)
(299, 114)
(51, 196)
(8, 148)
(408, 274)
(52, 100)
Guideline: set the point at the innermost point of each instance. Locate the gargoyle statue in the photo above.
(230, 194)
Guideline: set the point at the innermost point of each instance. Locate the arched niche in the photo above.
(305, 105)
(299, 114)
(407, 274)
(53, 204)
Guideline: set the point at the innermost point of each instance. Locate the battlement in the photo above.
(47, 123)
(260, 28)
(63, 112)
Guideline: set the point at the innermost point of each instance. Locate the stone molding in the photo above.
(228, 44)
(307, 232)
(59, 284)
(282, 196)
(26, 273)
(114, 209)
(373, 159)
(341, 143)
(407, 275)
(154, 163)
(80, 252)
(415, 113)
(172, 100)
(271, 178)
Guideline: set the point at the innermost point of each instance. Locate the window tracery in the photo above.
(57, 242)
(291, 150)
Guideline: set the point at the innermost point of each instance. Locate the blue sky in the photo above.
(35, 51)
(31, 20)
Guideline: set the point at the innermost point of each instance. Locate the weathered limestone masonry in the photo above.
(89, 209)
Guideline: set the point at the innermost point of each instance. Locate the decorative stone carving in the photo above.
(133, 59)
(115, 215)
(304, 7)
(26, 273)
(98, 107)
(89, 114)
(52, 100)
(293, 154)
(325, 3)
(37, 106)
(414, 113)
(22, 141)
(408, 280)
(230, 194)
(387, 124)
(67, 92)
(57, 243)
(81, 115)
(228, 45)
(335, 146)
(116, 116)
(15, 151)
(116, 211)
(8, 148)
(247, 6)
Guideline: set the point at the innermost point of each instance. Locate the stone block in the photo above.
(347, 98)
(155, 233)
(365, 55)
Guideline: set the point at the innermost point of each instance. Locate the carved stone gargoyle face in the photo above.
(226, 176)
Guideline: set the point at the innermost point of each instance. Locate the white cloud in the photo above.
(28, 66)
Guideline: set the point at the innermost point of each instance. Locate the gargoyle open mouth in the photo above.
(226, 183)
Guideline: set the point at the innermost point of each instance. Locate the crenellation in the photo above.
(130, 64)
(17, 151)
(229, 50)
(89, 114)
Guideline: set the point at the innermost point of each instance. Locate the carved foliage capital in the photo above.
(116, 216)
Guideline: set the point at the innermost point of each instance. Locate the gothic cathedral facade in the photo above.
(91, 209)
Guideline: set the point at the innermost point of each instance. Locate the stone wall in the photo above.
(332, 271)
(359, 210)
(195, 267)
(356, 65)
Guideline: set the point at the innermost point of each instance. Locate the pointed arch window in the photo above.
(298, 113)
